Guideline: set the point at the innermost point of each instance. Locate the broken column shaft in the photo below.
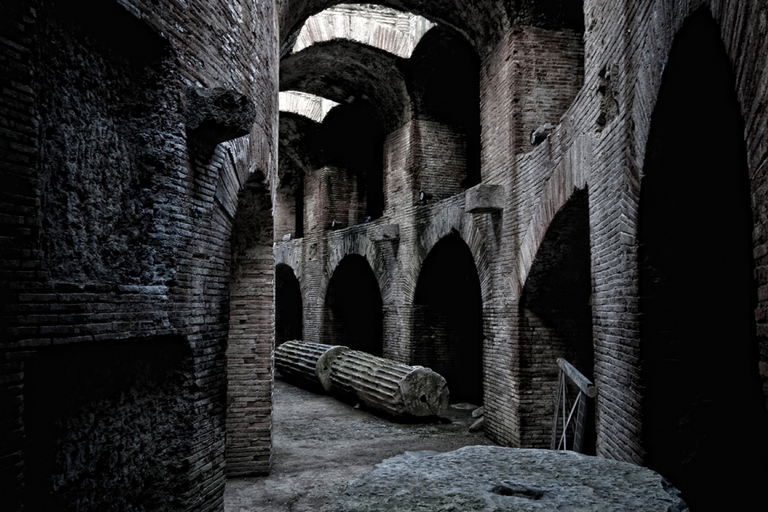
(307, 362)
(382, 384)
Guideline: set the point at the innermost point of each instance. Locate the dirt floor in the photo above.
(320, 444)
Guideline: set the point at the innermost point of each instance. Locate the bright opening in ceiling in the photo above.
(390, 30)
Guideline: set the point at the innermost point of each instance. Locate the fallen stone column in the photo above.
(389, 386)
(307, 362)
(382, 384)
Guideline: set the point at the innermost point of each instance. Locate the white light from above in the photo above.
(305, 104)
(388, 29)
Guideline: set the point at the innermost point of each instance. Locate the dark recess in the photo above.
(448, 319)
(704, 418)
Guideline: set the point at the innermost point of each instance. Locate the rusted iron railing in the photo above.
(577, 406)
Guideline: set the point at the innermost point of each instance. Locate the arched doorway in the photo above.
(444, 74)
(353, 307)
(288, 305)
(448, 319)
(556, 321)
(704, 418)
(351, 138)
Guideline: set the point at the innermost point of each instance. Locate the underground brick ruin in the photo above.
(479, 190)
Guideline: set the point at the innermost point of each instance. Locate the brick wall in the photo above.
(332, 193)
(422, 155)
(117, 227)
(599, 89)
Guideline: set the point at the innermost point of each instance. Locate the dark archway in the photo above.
(352, 138)
(298, 158)
(444, 81)
(353, 307)
(556, 320)
(288, 305)
(448, 319)
(704, 418)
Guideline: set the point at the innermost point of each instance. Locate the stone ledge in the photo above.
(484, 198)
(385, 232)
(493, 478)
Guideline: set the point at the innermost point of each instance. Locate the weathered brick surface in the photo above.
(115, 228)
(599, 89)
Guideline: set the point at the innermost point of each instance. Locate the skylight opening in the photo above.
(305, 104)
(388, 29)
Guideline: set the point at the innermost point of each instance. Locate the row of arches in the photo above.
(437, 84)
(447, 314)
(701, 405)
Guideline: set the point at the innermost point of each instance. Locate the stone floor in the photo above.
(320, 444)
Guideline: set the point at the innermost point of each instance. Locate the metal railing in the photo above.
(577, 406)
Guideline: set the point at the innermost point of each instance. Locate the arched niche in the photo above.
(297, 159)
(251, 331)
(288, 305)
(704, 419)
(555, 320)
(443, 79)
(352, 138)
(353, 314)
(448, 319)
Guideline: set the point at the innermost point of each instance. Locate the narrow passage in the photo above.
(320, 444)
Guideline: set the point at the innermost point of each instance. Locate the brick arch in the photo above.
(569, 176)
(360, 244)
(289, 305)
(738, 23)
(353, 309)
(338, 23)
(746, 46)
(483, 24)
(290, 254)
(447, 328)
(554, 320)
(445, 222)
(703, 171)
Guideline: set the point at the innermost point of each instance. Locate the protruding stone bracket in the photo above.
(484, 198)
(385, 233)
(218, 115)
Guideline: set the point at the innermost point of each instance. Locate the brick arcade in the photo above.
(166, 221)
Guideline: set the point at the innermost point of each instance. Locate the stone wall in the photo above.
(116, 231)
(117, 219)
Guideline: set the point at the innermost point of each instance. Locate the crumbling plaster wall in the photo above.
(116, 225)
